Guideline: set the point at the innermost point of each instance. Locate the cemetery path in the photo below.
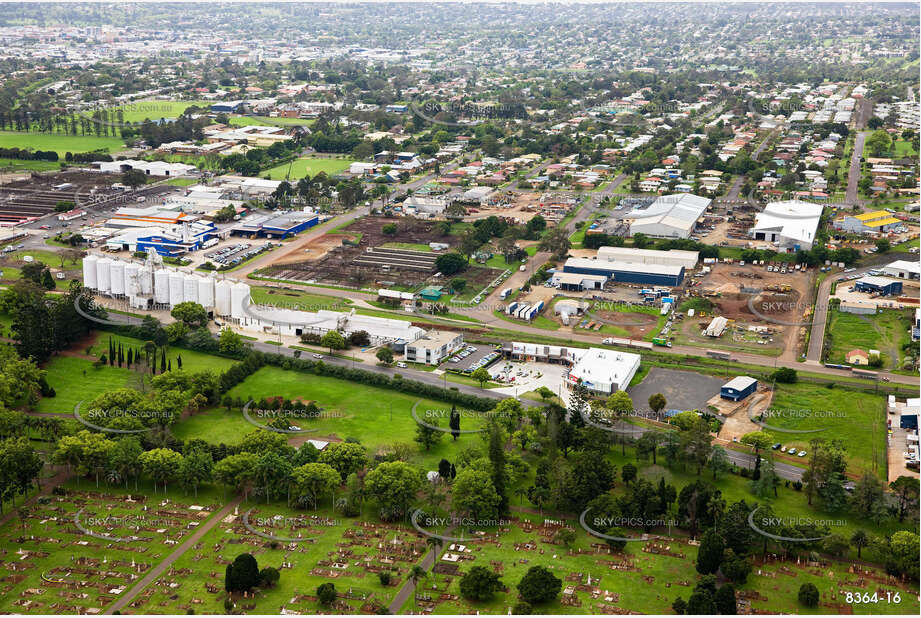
(58, 479)
(409, 588)
(158, 570)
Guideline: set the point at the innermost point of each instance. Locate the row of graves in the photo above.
(79, 552)
(775, 578)
(307, 549)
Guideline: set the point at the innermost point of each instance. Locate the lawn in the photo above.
(412, 246)
(32, 166)
(297, 300)
(58, 142)
(539, 321)
(886, 331)
(155, 110)
(377, 417)
(307, 166)
(245, 121)
(842, 415)
(75, 379)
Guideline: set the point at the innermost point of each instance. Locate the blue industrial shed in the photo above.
(627, 272)
(738, 388)
(878, 285)
(226, 107)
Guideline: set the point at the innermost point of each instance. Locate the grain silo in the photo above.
(89, 271)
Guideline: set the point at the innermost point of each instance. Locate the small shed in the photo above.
(738, 388)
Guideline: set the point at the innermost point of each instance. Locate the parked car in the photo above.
(776, 446)
(401, 365)
(801, 454)
(318, 356)
(792, 451)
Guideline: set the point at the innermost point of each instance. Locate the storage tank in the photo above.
(132, 284)
(222, 297)
(176, 287)
(145, 280)
(206, 292)
(161, 287)
(239, 296)
(89, 271)
(117, 274)
(190, 289)
(103, 274)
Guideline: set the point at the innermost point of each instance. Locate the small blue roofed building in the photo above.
(738, 388)
(432, 292)
(878, 285)
(395, 108)
(227, 107)
(908, 421)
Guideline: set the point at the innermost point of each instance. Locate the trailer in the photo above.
(532, 314)
(505, 293)
(521, 311)
(719, 355)
(835, 366)
(540, 305)
(862, 373)
(511, 308)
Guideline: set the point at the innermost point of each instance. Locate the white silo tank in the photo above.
(206, 292)
(239, 297)
(103, 273)
(89, 271)
(161, 287)
(176, 286)
(190, 289)
(222, 297)
(132, 283)
(145, 280)
(117, 275)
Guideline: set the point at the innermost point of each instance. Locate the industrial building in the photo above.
(670, 216)
(672, 257)
(903, 269)
(170, 241)
(604, 371)
(149, 285)
(578, 282)
(151, 168)
(278, 226)
(738, 388)
(790, 225)
(627, 272)
(148, 216)
(434, 347)
(878, 285)
(878, 221)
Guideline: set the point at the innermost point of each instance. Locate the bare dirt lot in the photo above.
(331, 262)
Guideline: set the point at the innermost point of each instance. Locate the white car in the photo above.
(318, 356)
(401, 365)
(801, 454)
(294, 428)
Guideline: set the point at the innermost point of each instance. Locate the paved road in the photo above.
(186, 545)
(408, 588)
(853, 175)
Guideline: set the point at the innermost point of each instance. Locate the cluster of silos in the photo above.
(147, 286)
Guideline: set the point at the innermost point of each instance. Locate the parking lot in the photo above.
(234, 254)
(683, 390)
(470, 358)
(530, 376)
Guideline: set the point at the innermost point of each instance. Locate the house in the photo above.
(738, 388)
(857, 357)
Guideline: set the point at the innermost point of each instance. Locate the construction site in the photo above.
(732, 290)
(363, 256)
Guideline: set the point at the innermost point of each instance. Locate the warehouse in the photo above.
(434, 347)
(226, 107)
(670, 216)
(578, 282)
(279, 226)
(790, 225)
(878, 285)
(878, 221)
(603, 371)
(627, 272)
(903, 269)
(738, 388)
(672, 257)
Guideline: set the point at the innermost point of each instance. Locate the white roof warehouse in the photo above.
(670, 216)
(789, 225)
(604, 371)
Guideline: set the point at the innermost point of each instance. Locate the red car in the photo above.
(45, 227)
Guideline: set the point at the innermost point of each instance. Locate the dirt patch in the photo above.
(636, 324)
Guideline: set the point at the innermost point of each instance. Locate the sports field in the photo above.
(245, 121)
(299, 168)
(58, 142)
(154, 110)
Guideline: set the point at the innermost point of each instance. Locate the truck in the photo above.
(719, 355)
(662, 341)
(209, 243)
(505, 293)
(862, 373)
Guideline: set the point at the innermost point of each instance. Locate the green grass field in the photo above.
(246, 121)
(139, 111)
(307, 166)
(297, 300)
(357, 411)
(841, 415)
(886, 331)
(58, 142)
(8, 165)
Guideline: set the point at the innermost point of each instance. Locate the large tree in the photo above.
(394, 485)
